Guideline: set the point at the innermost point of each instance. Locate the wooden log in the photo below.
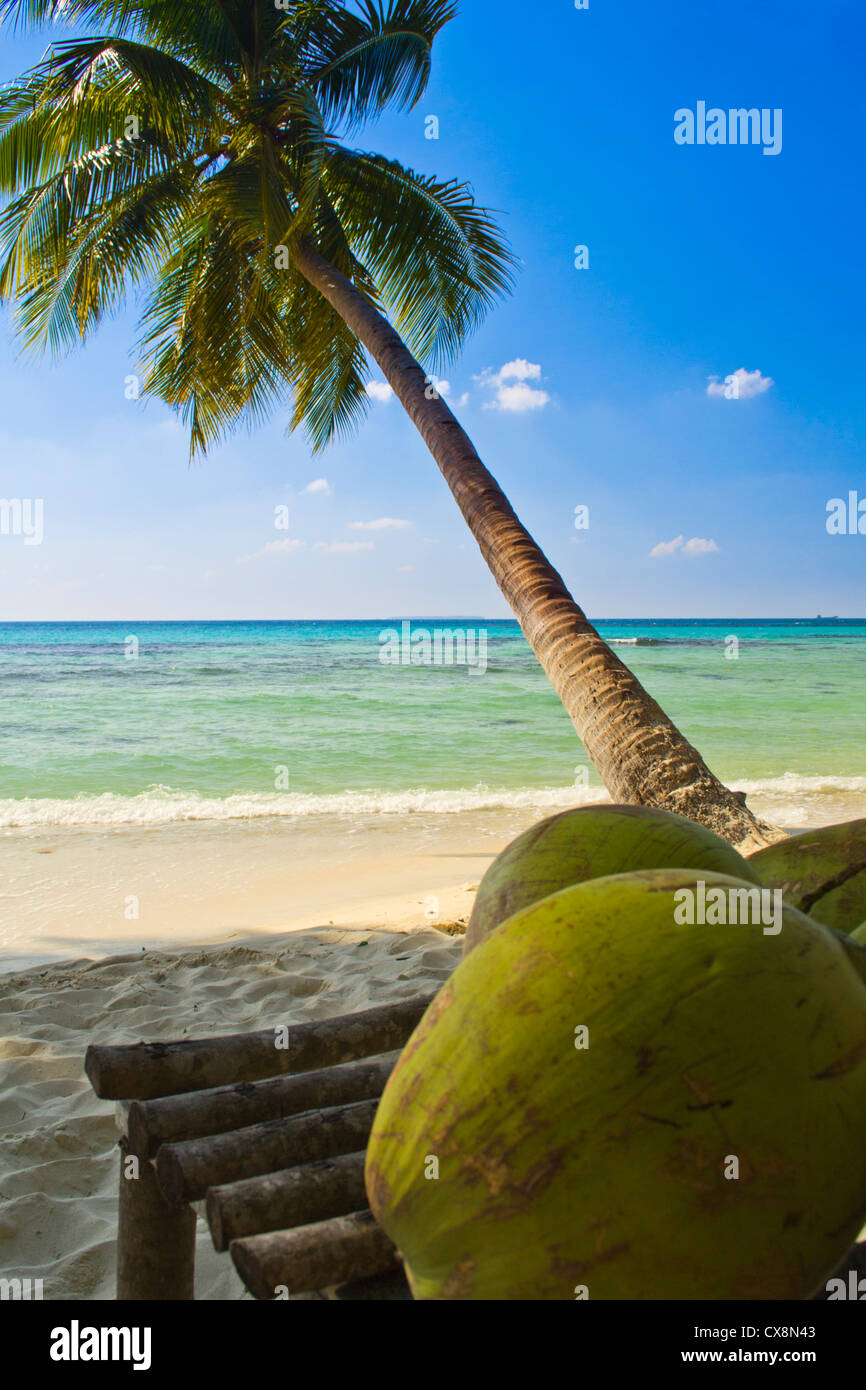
(146, 1070)
(341, 1251)
(155, 1241)
(186, 1170)
(155, 1122)
(295, 1197)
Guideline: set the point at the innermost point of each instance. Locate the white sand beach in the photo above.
(58, 1155)
(239, 926)
(96, 891)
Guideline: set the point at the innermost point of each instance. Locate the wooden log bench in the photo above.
(266, 1144)
(263, 1135)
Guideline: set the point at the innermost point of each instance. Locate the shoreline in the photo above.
(90, 891)
(81, 894)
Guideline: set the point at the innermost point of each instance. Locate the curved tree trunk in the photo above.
(641, 756)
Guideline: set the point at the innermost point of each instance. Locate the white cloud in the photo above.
(317, 485)
(464, 399)
(272, 548)
(406, 569)
(520, 370)
(739, 385)
(666, 547)
(511, 390)
(379, 391)
(343, 547)
(382, 523)
(518, 399)
(696, 546)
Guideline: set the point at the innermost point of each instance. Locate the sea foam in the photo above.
(792, 799)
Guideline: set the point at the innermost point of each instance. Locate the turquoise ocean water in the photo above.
(253, 719)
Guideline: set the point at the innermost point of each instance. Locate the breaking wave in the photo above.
(790, 800)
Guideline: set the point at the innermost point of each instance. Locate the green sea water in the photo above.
(146, 723)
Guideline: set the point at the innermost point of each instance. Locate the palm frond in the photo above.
(437, 259)
(330, 370)
(89, 94)
(79, 269)
(230, 158)
(38, 228)
(302, 146)
(225, 341)
(329, 236)
(196, 31)
(29, 14)
(214, 343)
(357, 64)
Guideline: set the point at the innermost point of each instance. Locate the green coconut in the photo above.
(821, 872)
(855, 948)
(638, 1109)
(855, 945)
(593, 842)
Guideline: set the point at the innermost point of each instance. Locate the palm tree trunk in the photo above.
(639, 753)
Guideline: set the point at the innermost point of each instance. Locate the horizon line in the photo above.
(418, 618)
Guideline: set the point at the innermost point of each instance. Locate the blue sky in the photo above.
(703, 260)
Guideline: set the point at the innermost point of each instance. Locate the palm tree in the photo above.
(192, 150)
